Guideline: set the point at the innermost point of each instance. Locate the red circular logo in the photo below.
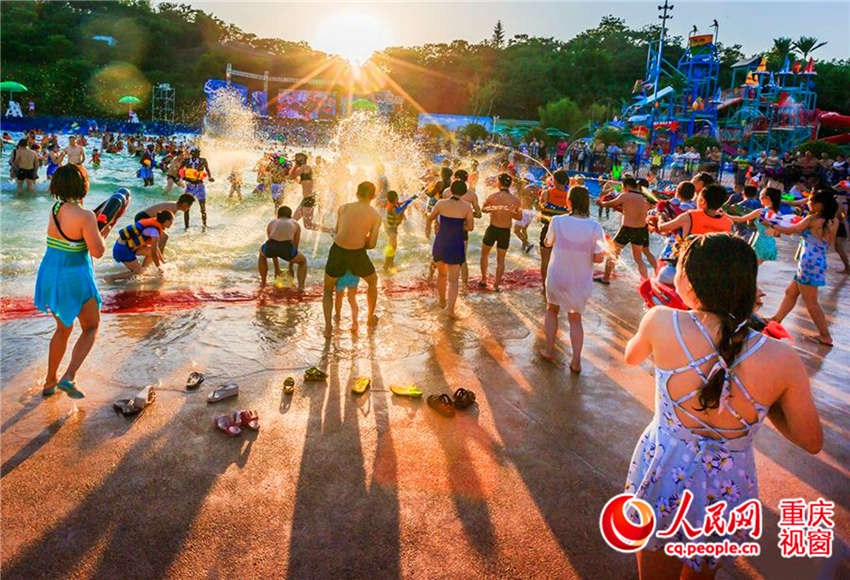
(619, 531)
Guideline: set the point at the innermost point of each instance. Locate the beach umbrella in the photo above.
(12, 87)
(129, 100)
(364, 105)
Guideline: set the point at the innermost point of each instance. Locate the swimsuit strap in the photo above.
(692, 362)
(53, 213)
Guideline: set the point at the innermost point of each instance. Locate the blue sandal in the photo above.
(70, 389)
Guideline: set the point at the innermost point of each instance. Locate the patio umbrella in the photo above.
(12, 87)
(129, 100)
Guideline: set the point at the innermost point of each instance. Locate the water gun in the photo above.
(403, 205)
(785, 220)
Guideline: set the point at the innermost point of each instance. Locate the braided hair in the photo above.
(722, 270)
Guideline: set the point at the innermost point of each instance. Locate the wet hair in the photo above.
(164, 216)
(461, 174)
(459, 188)
(70, 182)
(22, 143)
(505, 180)
(366, 190)
(284, 212)
(775, 197)
(579, 201)
(750, 191)
(392, 196)
(561, 177)
(643, 182)
(630, 182)
(705, 178)
(722, 269)
(446, 176)
(186, 198)
(715, 195)
(829, 206)
(686, 191)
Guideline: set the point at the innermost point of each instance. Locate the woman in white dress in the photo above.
(577, 242)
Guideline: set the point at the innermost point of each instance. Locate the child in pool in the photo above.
(95, 158)
(393, 218)
(235, 179)
(346, 284)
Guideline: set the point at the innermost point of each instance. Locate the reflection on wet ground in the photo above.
(372, 485)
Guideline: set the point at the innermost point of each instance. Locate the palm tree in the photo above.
(782, 48)
(807, 45)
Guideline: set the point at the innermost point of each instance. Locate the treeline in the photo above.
(50, 47)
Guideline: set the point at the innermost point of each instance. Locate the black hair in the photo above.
(459, 188)
(775, 197)
(750, 191)
(22, 143)
(686, 190)
(70, 182)
(705, 178)
(392, 196)
(366, 190)
(164, 216)
(643, 182)
(461, 174)
(722, 270)
(284, 212)
(715, 195)
(186, 198)
(446, 176)
(579, 201)
(505, 180)
(561, 177)
(829, 205)
(630, 182)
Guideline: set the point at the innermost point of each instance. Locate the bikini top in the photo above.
(67, 244)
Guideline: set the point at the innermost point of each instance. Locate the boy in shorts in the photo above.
(284, 235)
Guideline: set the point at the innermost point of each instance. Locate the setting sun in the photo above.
(354, 36)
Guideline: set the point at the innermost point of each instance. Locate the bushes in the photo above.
(474, 131)
(819, 147)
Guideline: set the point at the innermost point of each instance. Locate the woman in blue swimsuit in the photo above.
(455, 218)
(715, 383)
(65, 286)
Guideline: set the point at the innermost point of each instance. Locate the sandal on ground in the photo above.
(247, 419)
(226, 424)
(442, 404)
(194, 381)
(144, 397)
(70, 389)
(48, 391)
(463, 398)
(126, 407)
(225, 391)
(360, 385)
(406, 390)
(315, 374)
(288, 385)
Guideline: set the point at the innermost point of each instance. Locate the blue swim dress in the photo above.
(448, 243)
(65, 280)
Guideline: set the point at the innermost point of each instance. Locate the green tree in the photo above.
(498, 39)
(807, 45)
(562, 114)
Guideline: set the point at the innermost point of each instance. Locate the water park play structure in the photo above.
(761, 110)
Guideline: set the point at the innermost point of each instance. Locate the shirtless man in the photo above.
(503, 207)
(76, 154)
(25, 165)
(633, 230)
(284, 235)
(183, 203)
(357, 229)
(304, 174)
(172, 174)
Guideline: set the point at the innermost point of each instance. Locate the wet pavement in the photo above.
(338, 485)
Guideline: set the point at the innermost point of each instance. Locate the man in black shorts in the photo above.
(633, 230)
(284, 235)
(357, 227)
(503, 207)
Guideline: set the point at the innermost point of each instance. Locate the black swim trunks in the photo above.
(501, 237)
(355, 261)
(635, 236)
(309, 201)
(140, 216)
(24, 174)
(279, 249)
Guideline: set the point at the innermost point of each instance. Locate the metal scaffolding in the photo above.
(162, 103)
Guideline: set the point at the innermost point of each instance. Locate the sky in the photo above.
(751, 24)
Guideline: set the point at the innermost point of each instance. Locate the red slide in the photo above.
(835, 120)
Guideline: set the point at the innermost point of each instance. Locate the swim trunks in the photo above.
(198, 190)
(635, 236)
(141, 216)
(279, 249)
(24, 174)
(355, 261)
(501, 237)
(121, 253)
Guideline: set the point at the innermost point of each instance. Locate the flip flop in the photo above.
(288, 385)
(70, 389)
(406, 391)
(315, 374)
(463, 398)
(247, 419)
(144, 397)
(360, 385)
(194, 381)
(126, 407)
(225, 391)
(48, 391)
(817, 340)
(226, 424)
(442, 404)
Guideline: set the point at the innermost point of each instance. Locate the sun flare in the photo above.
(354, 36)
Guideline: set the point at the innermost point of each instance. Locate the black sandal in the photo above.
(463, 398)
(442, 404)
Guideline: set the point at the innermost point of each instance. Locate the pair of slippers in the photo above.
(362, 383)
(225, 391)
(134, 406)
(446, 405)
(233, 423)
